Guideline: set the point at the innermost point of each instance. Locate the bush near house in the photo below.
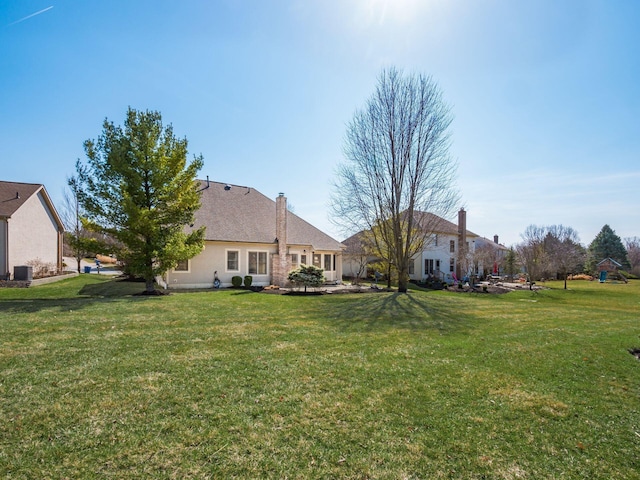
(236, 281)
(306, 276)
(248, 280)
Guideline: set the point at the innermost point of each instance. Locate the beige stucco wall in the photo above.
(4, 268)
(214, 258)
(33, 234)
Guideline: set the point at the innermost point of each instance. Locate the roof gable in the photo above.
(234, 213)
(13, 195)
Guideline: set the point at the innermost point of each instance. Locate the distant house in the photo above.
(247, 233)
(451, 251)
(30, 229)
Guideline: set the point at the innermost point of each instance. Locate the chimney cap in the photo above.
(281, 194)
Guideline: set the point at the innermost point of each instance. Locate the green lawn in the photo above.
(96, 383)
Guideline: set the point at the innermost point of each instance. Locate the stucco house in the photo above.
(30, 228)
(247, 233)
(451, 251)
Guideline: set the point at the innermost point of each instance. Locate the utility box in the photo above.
(23, 273)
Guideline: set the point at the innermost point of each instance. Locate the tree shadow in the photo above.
(89, 294)
(412, 311)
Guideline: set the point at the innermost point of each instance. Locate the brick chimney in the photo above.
(281, 261)
(495, 239)
(462, 241)
(281, 223)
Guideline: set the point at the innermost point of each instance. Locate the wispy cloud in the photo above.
(32, 15)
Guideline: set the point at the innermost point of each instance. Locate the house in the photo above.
(609, 268)
(450, 252)
(247, 233)
(31, 232)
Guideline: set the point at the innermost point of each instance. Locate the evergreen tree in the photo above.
(606, 245)
(138, 187)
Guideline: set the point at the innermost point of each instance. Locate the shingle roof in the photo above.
(13, 195)
(235, 213)
(429, 221)
(438, 224)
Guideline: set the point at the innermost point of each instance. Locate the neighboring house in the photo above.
(247, 233)
(450, 252)
(31, 232)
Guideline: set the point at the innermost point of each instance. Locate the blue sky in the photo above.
(545, 94)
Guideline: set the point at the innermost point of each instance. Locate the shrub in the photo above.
(248, 280)
(236, 281)
(580, 276)
(307, 276)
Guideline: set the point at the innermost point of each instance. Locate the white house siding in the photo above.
(442, 253)
(33, 234)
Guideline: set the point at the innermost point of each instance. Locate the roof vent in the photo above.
(227, 187)
(17, 194)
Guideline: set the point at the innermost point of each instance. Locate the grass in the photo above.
(97, 383)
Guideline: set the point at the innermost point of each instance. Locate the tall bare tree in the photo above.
(563, 250)
(632, 244)
(397, 164)
(531, 252)
(80, 242)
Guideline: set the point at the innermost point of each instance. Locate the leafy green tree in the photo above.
(511, 263)
(606, 245)
(306, 276)
(138, 187)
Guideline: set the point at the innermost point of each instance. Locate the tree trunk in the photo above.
(402, 281)
(78, 260)
(149, 285)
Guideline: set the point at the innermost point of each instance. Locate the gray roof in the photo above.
(13, 195)
(233, 213)
(438, 224)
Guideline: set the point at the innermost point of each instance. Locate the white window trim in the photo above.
(226, 260)
(266, 252)
(188, 270)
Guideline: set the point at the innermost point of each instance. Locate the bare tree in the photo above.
(632, 245)
(531, 252)
(397, 165)
(78, 239)
(563, 250)
(357, 256)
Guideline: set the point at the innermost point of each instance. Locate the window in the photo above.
(452, 264)
(437, 265)
(303, 259)
(412, 267)
(294, 260)
(182, 266)
(257, 263)
(428, 266)
(233, 264)
(436, 240)
(327, 263)
(317, 259)
(452, 246)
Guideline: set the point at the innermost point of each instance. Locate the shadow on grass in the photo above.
(59, 298)
(413, 311)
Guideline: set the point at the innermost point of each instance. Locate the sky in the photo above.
(545, 95)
